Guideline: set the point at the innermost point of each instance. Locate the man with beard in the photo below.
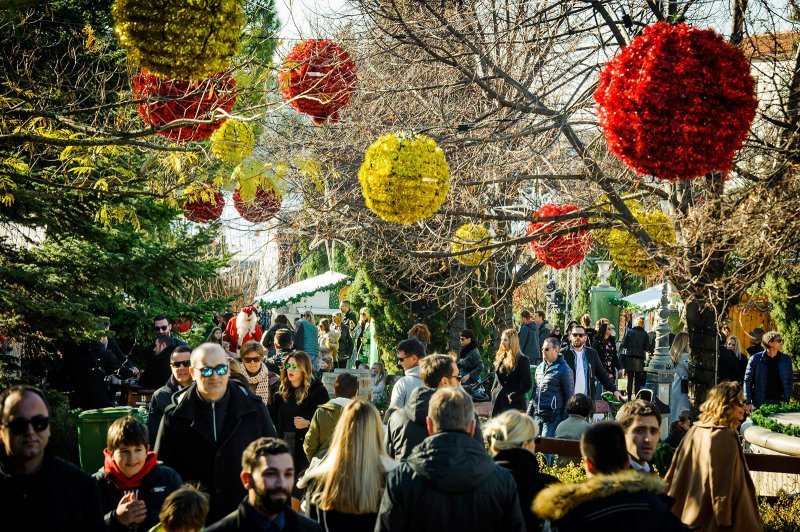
(268, 476)
(585, 364)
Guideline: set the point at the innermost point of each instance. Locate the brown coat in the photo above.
(710, 482)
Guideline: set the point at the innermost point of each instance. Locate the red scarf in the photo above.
(123, 482)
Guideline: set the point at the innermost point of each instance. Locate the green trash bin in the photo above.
(92, 429)
(529, 393)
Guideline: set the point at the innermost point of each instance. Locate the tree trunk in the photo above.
(457, 321)
(703, 337)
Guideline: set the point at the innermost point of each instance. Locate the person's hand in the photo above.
(618, 395)
(301, 423)
(130, 511)
(465, 379)
(509, 397)
(748, 408)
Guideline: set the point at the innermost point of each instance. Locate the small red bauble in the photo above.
(677, 102)
(166, 100)
(262, 208)
(564, 250)
(202, 212)
(318, 79)
(183, 325)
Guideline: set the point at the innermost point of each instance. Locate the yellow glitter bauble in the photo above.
(233, 142)
(404, 178)
(179, 39)
(628, 253)
(471, 236)
(604, 205)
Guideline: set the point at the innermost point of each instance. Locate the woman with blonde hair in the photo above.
(251, 356)
(294, 405)
(346, 486)
(679, 396)
(511, 438)
(512, 375)
(708, 478)
(328, 339)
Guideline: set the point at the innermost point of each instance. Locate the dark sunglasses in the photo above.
(19, 425)
(181, 364)
(779, 340)
(292, 367)
(161, 328)
(578, 335)
(250, 360)
(220, 370)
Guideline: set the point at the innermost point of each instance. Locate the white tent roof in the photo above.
(650, 298)
(306, 286)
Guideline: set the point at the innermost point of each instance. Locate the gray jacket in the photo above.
(529, 342)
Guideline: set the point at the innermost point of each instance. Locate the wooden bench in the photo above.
(769, 463)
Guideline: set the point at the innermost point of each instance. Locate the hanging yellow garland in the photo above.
(233, 142)
(628, 253)
(404, 178)
(471, 236)
(179, 39)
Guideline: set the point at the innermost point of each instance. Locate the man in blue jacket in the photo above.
(768, 378)
(553, 386)
(529, 338)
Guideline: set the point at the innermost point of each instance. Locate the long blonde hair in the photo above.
(680, 345)
(716, 409)
(738, 350)
(304, 365)
(509, 430)
(351, 477)
(508, 359)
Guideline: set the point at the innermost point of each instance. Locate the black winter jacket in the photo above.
(470, 362)
(517, 383)
(450, 483)
(407, 427)
(161, 399)
(155, 487)
(627, 501)
(284, 412)
(636, 343)
(186, 442)
(57, 497)
(240, 520)
(524, 467)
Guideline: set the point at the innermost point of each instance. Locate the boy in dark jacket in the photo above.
(133, 485)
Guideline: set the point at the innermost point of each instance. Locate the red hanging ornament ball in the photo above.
(564, 250)
(167, 100)
(318, 78)
(203, 212)
(677, 102)
(262, 208)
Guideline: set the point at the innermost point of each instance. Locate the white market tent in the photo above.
(647, 299)
(312, 294)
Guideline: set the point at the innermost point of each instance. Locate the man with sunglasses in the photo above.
(163, 325)
(181, 378)
(768, 378)
(585, 364)
(409, 354)
(207, 427)
(38, 490)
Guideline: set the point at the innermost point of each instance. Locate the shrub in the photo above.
(782, 515)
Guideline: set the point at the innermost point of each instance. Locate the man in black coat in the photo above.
(208, 426)
(156, 369)
(614, 497)
(408, 426)
(449, 482)
(268, 475)
(38, 490)
(179, 363)
(586, 364)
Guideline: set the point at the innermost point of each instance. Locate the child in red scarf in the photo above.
(133, 485)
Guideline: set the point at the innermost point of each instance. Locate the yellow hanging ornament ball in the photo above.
(628, 253)
(404, 177)
(471, 236)
(233, 142)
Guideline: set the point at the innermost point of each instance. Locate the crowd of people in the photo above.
(255, 442)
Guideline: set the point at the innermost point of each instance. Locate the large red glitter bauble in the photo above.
(166, 100)
(262, 208)
(183, 325)
(202, 212)
(564, 250)
(677, 102)
(318, 78)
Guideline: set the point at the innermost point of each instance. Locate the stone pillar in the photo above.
(601, 296)
(659, 368)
